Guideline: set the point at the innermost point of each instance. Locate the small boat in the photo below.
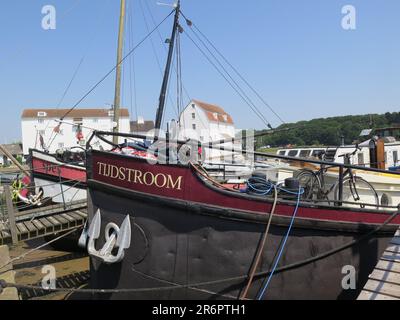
(62, 177)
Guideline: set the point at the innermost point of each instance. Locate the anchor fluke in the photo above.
(115, 237)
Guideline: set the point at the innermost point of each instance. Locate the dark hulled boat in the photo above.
(188, 231)
(169, 231)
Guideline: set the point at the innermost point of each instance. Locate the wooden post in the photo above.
(380, 155)
(11, 214)
(7, 274)
(13, 160)
(117, 98)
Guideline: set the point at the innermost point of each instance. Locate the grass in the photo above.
(270, 150)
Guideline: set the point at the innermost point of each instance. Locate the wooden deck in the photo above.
(384, 282)
(45, 221)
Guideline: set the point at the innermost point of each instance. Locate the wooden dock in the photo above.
(384, 282)
(40, 222)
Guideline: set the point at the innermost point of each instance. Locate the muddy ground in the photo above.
(71, 268)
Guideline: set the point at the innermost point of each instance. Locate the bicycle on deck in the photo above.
(355, 188)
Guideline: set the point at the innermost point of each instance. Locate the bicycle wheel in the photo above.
(311, 184)
(359, 191)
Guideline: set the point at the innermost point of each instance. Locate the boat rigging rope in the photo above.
(192, 25)
(162, 41)
(113, 69)
(22, 256)
(152, 42)
(232, 83)
(93, 36)
(260, 248)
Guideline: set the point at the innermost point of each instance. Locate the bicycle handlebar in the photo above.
(347, 155)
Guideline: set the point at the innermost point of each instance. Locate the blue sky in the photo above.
(295, 53)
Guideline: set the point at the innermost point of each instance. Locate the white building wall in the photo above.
(186, 123)
(206, 131)
(67, 136)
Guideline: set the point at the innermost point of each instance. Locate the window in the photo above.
(316, 153)
(225, 118)
(395, 157)
(194, 127)
(41, 114)
(282, 152)
(40, 121)
(293, 153)
(215, 116)
(193, 116)
(386, 133)
(361, 159)
(305, 153)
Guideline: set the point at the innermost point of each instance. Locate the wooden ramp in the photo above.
(384, 282)
(41, 222)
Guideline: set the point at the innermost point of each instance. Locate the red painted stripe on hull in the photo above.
(64, 171)
(181, 183)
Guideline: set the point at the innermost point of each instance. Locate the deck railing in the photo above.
(340, 170)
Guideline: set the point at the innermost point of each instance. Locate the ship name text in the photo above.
(135, 176)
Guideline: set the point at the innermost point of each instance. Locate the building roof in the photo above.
(76, 113)
(14, 149)
(214, 113)
(139, 126)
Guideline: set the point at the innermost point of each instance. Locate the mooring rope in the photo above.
(22, 256)
(261, 247)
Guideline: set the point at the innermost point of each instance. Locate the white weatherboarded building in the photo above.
(42, 122)
(208, 123)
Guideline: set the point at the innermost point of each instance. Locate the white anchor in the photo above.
(120, 238)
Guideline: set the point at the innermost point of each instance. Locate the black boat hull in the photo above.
(173, 245)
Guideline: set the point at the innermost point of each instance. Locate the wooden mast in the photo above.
(164, 87)
(117, 98)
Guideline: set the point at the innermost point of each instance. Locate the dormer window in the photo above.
(41, 114)
(215, 116)
(225, 118)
